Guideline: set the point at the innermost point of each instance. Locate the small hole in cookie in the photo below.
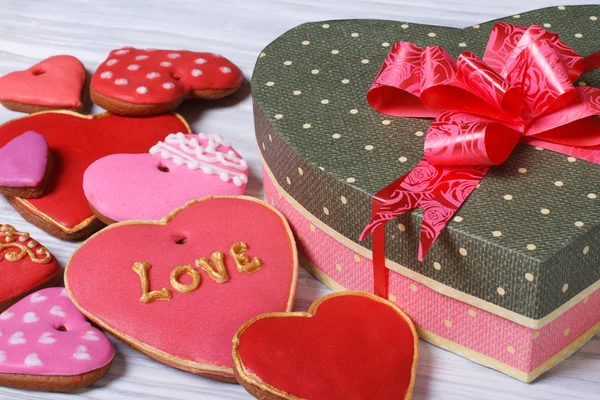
(176, 76)
(61, 328)
(163, 169)
(180, 240)
(38, 72)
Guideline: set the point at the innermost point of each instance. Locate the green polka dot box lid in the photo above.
(503, 266)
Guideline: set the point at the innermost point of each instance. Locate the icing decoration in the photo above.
(64, 205)
(179, 169)
(215, 311)
(24, 265)
(181, 270)
(23, 161)
(187, 150)
(349, 345)
(215, 268)
(52, 344)
(175, 68)
(242, 261)
(141, 268)
(55, 82)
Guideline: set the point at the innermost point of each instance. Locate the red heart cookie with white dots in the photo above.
(349, 345)
(178, 289)
(145, 82)
(25, 266)
(54, 83)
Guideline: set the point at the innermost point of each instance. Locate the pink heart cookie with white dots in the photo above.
(122, 187)
(46, 343)
(145, 82)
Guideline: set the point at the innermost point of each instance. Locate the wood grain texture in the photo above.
(33, 30)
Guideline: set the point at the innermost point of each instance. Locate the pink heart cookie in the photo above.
(47, 344)
(55, 83)
(178, 289)
(25, 166)
(144, 82)
(181, 168)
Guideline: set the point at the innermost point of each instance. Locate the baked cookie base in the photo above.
(34, 108)
(144, 110)
(53, 383)
(33, 191)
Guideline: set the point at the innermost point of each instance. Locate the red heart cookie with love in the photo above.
(76, 142)
(178, 289)
(145, 82)
(25, 266)
(47, 344)
(349, 345)
(25, 166)
(176, 170)
(54, 83)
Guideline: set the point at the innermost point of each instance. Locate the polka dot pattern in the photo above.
(337, 142)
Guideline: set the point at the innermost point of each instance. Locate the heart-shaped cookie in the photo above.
(76, 141)
(25, 166)
(54, 83)
(25, 266)
(144, 82)
(178, 289)
(349, 345)
(47, 344)
(179, 169)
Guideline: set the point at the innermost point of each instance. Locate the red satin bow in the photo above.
(522, 90)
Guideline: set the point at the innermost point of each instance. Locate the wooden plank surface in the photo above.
(239, 29)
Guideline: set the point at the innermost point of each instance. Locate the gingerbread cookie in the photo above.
(79, 140)
(25, 166)
(47, 344)
(179, 169)
(146, 82)
(349, 345)
(55, 83)
(25, 266)
(178, 289)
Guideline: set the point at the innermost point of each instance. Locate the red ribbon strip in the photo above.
(522, 90)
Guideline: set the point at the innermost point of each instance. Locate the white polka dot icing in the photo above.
(112, 62)
(41, 348)
(166, 75)
(121, 52)
(106, 75)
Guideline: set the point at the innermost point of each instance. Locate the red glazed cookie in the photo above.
(178, 289)
(25, 266)
(77, 141)
(349, 345)
(145, 82)
(25, 166)
(55, 83)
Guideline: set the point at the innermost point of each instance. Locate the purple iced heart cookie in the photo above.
(25, 166)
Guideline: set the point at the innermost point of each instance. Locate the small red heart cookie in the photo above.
(349, 345)
(176, 170)
(55, 83)
(145, 82)
(25, 166)
(77, 141)
(178, 289)
(25, 266)
(47, 344)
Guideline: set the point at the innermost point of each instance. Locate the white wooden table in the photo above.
(239, 29)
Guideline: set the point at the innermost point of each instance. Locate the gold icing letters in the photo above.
(242, 261)
(216, 270)
(141, 268)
